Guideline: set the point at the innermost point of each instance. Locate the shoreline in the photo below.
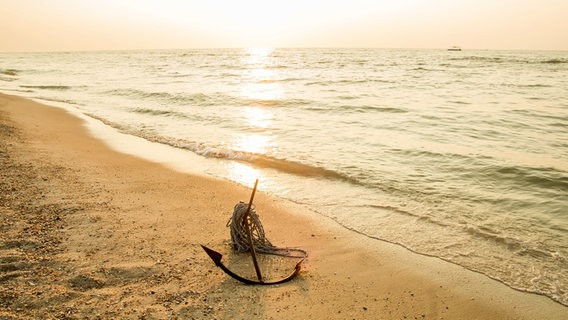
(123, 241)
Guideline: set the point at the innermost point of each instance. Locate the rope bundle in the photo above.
(239, 235)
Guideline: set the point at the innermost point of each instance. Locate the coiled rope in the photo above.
(239, 235)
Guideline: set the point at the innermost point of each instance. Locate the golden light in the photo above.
(256, 54)
(252, 143)
(259, 120)
(242, 173)
(257, 117)
(260, 85)
(260, 79)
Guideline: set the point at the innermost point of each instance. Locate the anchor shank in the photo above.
(249, 233)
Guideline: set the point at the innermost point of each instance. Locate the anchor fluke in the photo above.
(214, 255)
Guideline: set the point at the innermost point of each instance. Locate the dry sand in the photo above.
(91, 233)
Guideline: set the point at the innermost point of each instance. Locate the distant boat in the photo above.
(454, 48)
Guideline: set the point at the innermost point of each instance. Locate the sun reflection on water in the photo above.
(254, 143)
(257, 117)
(259, 84)
(258, 55)
(260, 78)
(242, 173)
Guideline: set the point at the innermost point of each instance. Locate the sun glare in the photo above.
(242, 173)
(259, 85)
(254, 143)
(259, 52)
(260, 78)
(257, 117)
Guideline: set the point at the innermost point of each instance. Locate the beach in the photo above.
(92, 233)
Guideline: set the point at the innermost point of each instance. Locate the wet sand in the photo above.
(88, 232)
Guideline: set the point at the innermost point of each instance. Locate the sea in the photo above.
(458, 155)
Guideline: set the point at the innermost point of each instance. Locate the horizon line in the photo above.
(273, 48)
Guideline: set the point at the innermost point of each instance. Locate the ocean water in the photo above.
(457, 155)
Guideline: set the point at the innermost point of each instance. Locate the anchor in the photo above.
(216, 256)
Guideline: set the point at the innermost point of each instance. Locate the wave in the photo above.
(543, 177)
(156, 112)
(478, 58)
(537, 85)
(460, 102)
(9, 72)
(353, 109)
(347, 82)
(278, 66)
(546, 178)
(47, 87)
(270, 81)
(7, 79)
(262, 102)
(521, 248)
(554, 61)
(67, 101)
(372, 109)
(201, 99)
(503, 59)
(239, 101)
(254, 159)
(221, 152)
(138, 93)
(195, 98)
(485, 233)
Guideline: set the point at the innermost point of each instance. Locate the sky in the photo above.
(69, 25)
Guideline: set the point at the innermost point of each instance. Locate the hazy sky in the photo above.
(54, 25)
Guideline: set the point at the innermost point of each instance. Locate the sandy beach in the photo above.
(91, 233)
